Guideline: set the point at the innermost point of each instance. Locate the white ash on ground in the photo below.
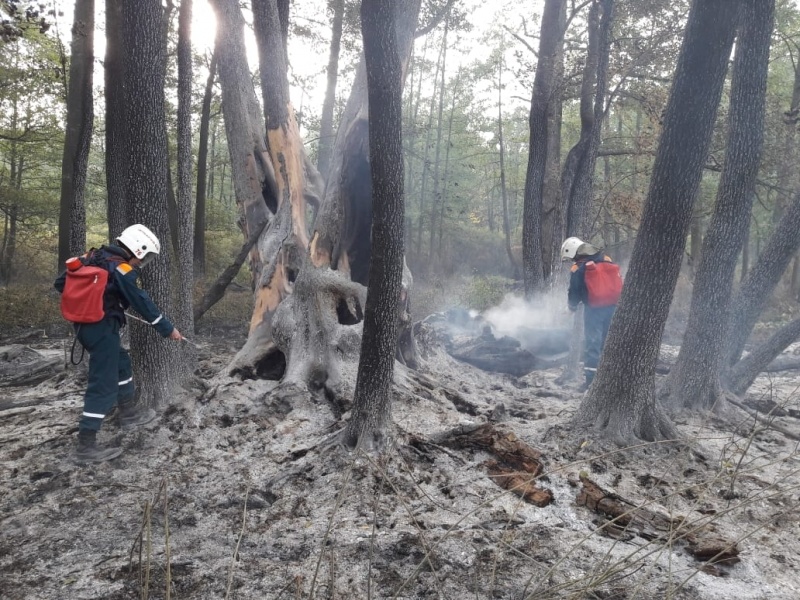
(245, 496)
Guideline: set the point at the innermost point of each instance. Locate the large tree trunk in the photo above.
(145, 64)
(694, 380)
(283, 244)
(80, 115)
(199, 252)
(326, 119)
(757, 288)
(253, 176)
(116, 144)
(372, 404)
(183, 315)
(553, 214)
(621, 402)
(541, 98)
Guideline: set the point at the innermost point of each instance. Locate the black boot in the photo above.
(132, 415)
(88, 450)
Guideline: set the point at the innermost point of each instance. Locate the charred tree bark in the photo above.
(283, 244)
(621, 402)
(116, 143)
(326, 119)
(739, 379)
(199, 252)
(251, 169)
(694, 380)
(183, 315)
(80, 116)
(372, 404)
(542, 96)
(145, 65)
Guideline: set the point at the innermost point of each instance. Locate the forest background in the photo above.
(666, 111)
(454, 102)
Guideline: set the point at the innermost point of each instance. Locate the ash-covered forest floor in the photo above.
(234, 494)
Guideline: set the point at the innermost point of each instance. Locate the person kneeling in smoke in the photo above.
(597, 283)
(110, 373)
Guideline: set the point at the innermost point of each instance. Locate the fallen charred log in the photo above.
(624, 519)
(516, 466)
(472, 340)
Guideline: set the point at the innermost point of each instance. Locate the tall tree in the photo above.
(694, 380)
(326, 119)
(502, 150)
(542, 96)
(199, 255)
(766, 273)
(116, 144)
(372, 405)
(80, 116)
(578, 177)
(146, 187)
(183, 311)
(621, 402)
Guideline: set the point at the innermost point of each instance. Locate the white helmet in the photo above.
(569, 249)
(141, 242)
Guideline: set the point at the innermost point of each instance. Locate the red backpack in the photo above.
(603, 282)
(84, 289)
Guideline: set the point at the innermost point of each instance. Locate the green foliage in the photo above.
(485, 291)
(30, 305)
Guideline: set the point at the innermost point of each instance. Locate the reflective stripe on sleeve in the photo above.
(157, 320)
(94, 415)
(127, 381)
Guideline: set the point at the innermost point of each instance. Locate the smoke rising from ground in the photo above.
(514, 314)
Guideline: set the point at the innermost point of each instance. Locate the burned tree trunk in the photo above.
(542, 96)
(694, 380)
(116, 144)
(621, 402)
(372, 403)
(146, 135)
(303, 323)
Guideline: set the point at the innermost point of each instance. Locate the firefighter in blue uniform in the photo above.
(110, 378)
(596, 282)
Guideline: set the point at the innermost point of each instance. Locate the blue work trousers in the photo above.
(595, 328)
(110, 371)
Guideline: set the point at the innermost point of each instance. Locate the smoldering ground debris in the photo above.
(426, 517)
